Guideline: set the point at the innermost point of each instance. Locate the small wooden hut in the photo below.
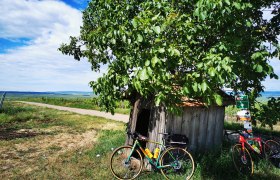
(202, 125)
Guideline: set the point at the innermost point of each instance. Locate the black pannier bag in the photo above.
(178, 140)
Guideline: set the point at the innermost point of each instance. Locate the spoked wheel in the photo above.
(242, 160)
(125, 164)
(272, 152)
(179, 164)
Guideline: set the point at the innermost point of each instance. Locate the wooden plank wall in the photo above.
(157, 125)
(203, 126)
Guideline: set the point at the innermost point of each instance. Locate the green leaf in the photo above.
(218, 99)
(139, 38)
(137, 85)
(202, 15)
(194, 86)
(155, 17)
(222, 47)
(211, 71)
(147, 63)
(113, 41)
(248, 24)
(150, 71)
(256, 55)
(156, 29)
(199, 65)
(196, 12)
(259, 68)
(204, 86)
(161, 50)
(124, 38)
(227, 1)
(186, 90)
(157, 100)
(237, 5)
(144, 74)
(177, 52)
(154, 61)
(134, 23)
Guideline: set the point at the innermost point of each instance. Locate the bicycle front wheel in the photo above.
(177, 164)
(242, 160)
(126, 164)
(272, 152)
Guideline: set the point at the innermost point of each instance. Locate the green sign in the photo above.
(242, 102)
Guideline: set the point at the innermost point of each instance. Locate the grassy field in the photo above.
(123, 107)
(40, 143)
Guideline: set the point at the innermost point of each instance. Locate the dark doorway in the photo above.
(142, 124)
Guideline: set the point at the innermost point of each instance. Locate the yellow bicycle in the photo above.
(174, 162)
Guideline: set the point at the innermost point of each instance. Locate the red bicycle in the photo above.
(241, 156)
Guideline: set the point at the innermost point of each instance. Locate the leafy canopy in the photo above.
(268, 113)
(168, 49)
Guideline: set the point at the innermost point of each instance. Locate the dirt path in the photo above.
(116, 117)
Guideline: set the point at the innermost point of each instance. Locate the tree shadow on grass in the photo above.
(220, 166)
(11, 133)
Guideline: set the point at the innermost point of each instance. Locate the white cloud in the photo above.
(39, 66)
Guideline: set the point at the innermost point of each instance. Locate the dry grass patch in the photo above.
(44, 139)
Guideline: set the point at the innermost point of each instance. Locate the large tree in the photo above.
(167, 49)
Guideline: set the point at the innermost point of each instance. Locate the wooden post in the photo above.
(133, 120)
(2, 100)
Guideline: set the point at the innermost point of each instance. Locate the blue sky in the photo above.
(30, 33)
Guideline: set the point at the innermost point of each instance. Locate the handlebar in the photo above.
(240, 132)
(136, 135)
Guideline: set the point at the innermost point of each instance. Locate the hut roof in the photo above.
(191, 102)
(227, 100)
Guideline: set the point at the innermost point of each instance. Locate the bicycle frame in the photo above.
(244, 141)
(151, 161)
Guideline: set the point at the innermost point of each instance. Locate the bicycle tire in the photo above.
(184, 167)
(272, 152)
(126, 170)
(243, 163)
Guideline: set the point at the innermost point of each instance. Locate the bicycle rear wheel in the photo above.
(272, 152)
(242, 160)
(179, 164)
(126, 164)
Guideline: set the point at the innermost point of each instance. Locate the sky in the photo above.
(30, 34)
(31, 31)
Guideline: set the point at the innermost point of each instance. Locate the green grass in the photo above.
(209, 166)
(89, 162)
(20, 116)
(44, 155)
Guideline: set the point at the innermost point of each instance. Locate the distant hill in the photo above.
(72, 94)
(48, 94)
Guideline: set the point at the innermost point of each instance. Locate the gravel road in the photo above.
(116, 117)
